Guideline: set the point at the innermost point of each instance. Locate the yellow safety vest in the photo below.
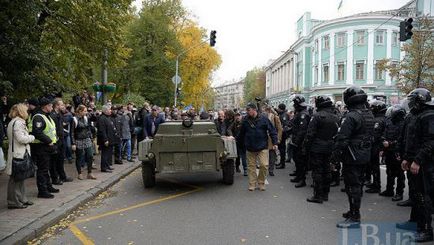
(49, 130)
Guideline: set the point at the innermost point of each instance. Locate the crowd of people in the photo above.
(332, 140)
(343, 142)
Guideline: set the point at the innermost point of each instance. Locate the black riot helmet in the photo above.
(354, 95)
(419, 97)
(299, 101)
(397, 113)
(322, 101)
(378, 106)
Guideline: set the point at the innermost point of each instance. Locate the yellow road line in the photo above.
(99, 216)
(85, 240)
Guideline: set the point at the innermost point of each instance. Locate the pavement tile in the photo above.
(12, 221)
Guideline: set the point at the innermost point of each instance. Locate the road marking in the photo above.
(85, 240)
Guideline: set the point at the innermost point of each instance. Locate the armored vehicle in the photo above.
(187, 147)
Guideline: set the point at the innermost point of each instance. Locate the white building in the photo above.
(229, 95)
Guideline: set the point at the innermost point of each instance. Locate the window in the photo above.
(395, 38)
(360, 70)
(341, 72)
(326, 42)
(379, 74)
(379, 37)
(360, 35)
(316, 45)
(341, 40)
(316, 75)
(326, 72)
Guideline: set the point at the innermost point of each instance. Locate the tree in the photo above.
(254, 84)
(52, 45)
(197, 65)
(417, 67)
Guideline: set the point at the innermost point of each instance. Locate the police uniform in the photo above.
(419, 151)
(393, 127)
(43, 127)
(299, 130)
(319, 137)
(353, 147)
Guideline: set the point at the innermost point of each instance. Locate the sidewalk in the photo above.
(20, 225)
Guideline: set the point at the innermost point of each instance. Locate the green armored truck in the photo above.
(187, 147)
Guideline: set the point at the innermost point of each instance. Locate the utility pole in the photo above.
(104, 75)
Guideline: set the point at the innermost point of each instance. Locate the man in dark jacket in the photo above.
(286, 125)
(152, 122)
(254, 132)
(117, 121)
(106, 137)
(299, 130)
(353, 147)
(319, 137)
(57, 170)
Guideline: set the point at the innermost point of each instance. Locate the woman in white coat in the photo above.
(19, 138)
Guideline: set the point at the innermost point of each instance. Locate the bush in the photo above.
(137, 99)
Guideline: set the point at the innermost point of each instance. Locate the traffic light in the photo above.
(212, 38)
(405, 29)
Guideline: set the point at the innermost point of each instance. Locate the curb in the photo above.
(39, 225)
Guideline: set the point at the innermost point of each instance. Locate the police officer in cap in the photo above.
(378, 108)
(299, 130)
(419, 160)
(353, 148)
(322, 128)
(43, 127)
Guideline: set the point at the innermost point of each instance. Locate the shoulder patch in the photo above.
(377, 125)
(303, 116)
(38, 124)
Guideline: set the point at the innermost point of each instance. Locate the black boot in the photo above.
(397, 197)
(387, 193)
(293, 174)
(352, 222)
(314, 199)
(302, 183)
(424, 236)
(406, 203)
(373, 190)
(280, 166)
(295, 180)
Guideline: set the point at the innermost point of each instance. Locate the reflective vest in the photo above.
(49, 130)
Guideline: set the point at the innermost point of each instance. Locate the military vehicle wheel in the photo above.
(228, 169)
(148, 174)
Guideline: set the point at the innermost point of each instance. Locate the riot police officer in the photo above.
(43, 127)
(319, 137)
(353, 148)
(299, 129)
(419, 160)
(378, 108)
(393, 128)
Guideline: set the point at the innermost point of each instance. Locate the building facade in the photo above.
(229, 95)
(328, 56)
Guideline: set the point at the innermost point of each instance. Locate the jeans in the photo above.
(67, 149)
(126, 145)
(84, 156)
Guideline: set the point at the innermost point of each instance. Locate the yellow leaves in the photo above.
(196, 65)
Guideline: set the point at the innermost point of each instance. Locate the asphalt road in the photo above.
(197, 209)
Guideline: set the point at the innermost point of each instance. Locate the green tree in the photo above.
(254, 84)
(417, 67)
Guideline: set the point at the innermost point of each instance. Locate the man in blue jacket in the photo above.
(152, 122)
(254, 132)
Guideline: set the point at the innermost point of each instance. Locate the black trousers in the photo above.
(106, 156)
(420, 188)
(373, 168)
(321, 173)
(42, 160)
(57, 168)
(118, 157)
(353, 179)
(282, 150)
(300, 163)
(394, 171)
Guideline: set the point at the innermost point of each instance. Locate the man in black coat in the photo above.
(353, 147)
(319, 137)
(299, 130)
(106, 137)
